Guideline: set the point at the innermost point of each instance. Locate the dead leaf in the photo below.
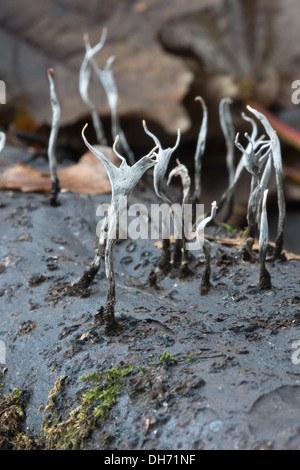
(86, 176)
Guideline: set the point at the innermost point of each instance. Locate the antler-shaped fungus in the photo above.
(106, 78)
(163, 159)
(277, 162)
(254, 162)
(123, 179)
(84, 80)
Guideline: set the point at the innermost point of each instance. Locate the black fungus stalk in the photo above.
(55, 188)
(206, 247)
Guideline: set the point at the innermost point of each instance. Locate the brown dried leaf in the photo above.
(87, 176)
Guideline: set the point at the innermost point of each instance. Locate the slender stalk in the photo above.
(106, 78)
(206, 247)
(229, 134)
(201, 143)
(182, 171)
(84, 81)
(265, 277)
(2, 140)
(56, 111)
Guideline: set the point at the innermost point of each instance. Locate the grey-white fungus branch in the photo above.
(106, 78)
(56, 112)
(123, 179)
(229, 135)
(2, 140)
(84, 81)
(206, 247)
(277, 162)
(200, 148)
(181, 171)
(160, 169)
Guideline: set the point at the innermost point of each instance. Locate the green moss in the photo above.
(12, 414)
(167, 357)
(95, 403)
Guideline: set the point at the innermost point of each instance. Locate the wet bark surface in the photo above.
(230, 381)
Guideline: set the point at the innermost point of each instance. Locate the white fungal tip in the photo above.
(84, 128)
(214, 205)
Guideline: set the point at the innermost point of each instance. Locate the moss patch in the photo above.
(95, 403)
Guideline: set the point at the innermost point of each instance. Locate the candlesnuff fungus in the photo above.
(106, 78)
(180, 244)
(84, 81)
(123, 179)
(265, 278)
(160, 169)
(205, 245)
(254, 161)
(52, 140)
(229, 135)
(200, 148)
(277, 162)
(227, 196)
